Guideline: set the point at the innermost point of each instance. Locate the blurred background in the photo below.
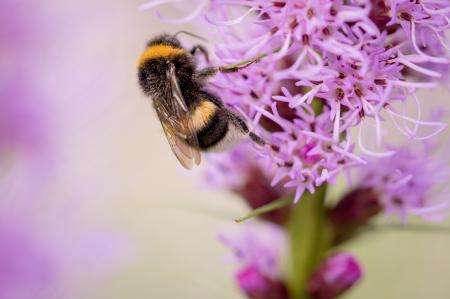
(98, 185)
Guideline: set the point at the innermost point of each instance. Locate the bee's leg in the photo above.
(256, 139)
(242, 126)
(204, 74)
(202, 49)
(207, 72)
(238, 66)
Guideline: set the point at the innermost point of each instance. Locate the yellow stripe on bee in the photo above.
(202, 114)
(158, 51)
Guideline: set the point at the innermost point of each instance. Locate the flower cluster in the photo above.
(318, 72)
(355, 60)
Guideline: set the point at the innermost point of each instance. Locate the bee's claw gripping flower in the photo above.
(334, 276)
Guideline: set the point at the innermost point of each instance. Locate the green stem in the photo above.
(274, 205)
(310, 238)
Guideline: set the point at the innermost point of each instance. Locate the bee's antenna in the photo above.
(191, 34)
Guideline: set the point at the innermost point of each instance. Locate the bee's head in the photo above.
(161, 52)
(165, 39)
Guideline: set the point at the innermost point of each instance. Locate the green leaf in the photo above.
(310, 238)
(274, 205)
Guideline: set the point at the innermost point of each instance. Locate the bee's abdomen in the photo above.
(210, 123)
(214, 130)
(203, 114)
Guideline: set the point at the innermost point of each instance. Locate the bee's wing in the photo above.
(175, 89)
(177, 124)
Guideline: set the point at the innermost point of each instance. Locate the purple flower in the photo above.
(414, 181)
(420, 27)
(258, 249)
(422, 22)
(302, 159)
(330, 54)
(334, 276)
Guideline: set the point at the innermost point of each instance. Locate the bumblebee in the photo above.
(193, 118)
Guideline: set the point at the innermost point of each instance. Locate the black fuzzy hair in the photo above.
(165, 39)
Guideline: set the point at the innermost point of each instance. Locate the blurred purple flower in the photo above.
(335, 275)
(49, 262)
(414, 181)
(19, 124)
(28, 268)
(19, 119)
(17, 29)
(44, 252)
(258, 249)
(26, 146)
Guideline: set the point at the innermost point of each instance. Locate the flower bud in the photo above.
(353, 211)
(257, 192)
(379, 14)
(334, 276)
(257, 286)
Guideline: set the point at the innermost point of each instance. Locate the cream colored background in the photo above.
(115, 155)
